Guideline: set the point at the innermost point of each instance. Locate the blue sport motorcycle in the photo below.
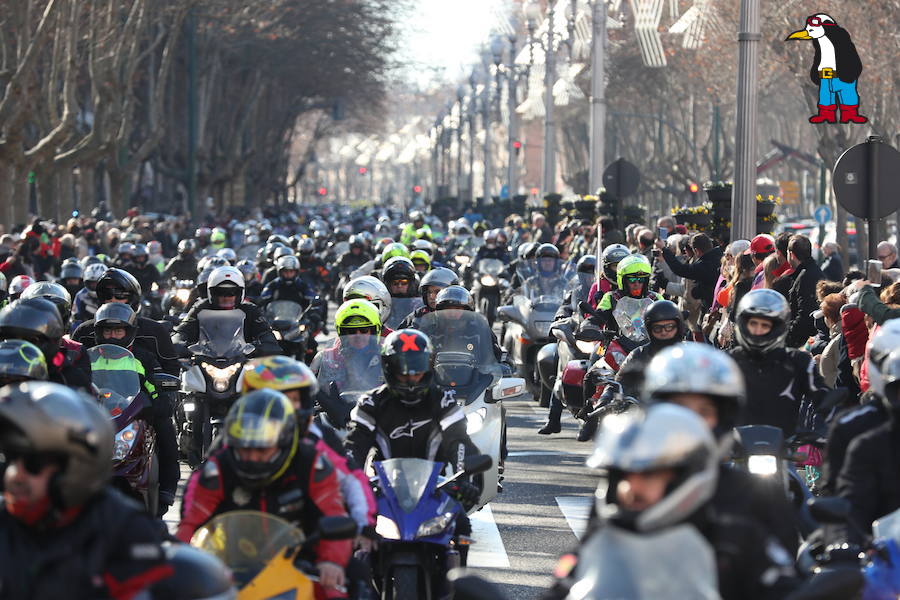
(417, 524)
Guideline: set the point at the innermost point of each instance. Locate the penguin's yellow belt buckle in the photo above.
(826, 73)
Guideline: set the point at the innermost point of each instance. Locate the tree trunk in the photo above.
(46, 195)
(66, 202)
(19, 185)
(118, 192)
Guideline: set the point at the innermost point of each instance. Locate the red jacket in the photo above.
(212, 489)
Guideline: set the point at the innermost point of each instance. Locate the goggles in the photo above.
(359, 330)
(34, 462)
(663, 328)
(817, 22)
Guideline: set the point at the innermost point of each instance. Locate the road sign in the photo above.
(822, 214)
(621, 178)
(865, 181)
(790, 192)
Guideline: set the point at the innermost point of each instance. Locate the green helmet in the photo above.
(393, 249)
(356, 314)
(634, 265)
(419, 257)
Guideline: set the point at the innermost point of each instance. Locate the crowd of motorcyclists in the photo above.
(139, 343)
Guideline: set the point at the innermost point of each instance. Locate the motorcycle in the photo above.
(352, 367)
(466, 368)
(400, 309)
(209, 385)
(114, 371)
(417, 523)
(527, 321)
(175, 302)
(488, 286)
(291, 325)
(266, 554)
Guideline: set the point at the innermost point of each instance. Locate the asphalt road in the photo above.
(546, 496)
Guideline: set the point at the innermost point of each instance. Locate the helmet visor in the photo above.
(250, 430)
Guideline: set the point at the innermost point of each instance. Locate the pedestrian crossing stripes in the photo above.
(576, 510)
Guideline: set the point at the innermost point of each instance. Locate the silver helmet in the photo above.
(48, 418)
(767, 304)
(885, 341)
(372, 289)
(666, 436)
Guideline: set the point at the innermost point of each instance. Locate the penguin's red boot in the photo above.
(849, 114)
(827, 114)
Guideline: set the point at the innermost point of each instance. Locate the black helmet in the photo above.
(454, 296)
(187, 247)
(21, 361)
(119, 282)
(356, 241)
(71, 276)
(306, 246)
(114, 315)
(407, 352)
(439, 277)
(400, 267)
(262, 419)
(663, 310)
(766, 304)
(34, 320)
(53, 292)
(547, 251)
(587, 264)
(611, 257)
(140, 252)
(48, 419)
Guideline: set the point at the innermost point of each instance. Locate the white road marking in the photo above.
(576, 510)
(539, 453)
(488, 550)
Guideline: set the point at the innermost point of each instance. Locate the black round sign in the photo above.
(851, 179)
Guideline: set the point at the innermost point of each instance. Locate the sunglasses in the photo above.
(666, 328)
(816, 22)
(885, 256)
(635, 279)
(360, 331)
(119, 294)
(34, 462)
(400, 282)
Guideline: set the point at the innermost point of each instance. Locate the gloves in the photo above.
(464, 492)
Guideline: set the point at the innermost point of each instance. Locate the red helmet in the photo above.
(762, 244)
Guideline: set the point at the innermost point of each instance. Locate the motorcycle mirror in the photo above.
(830, 585)
(472, 587)
(585, 307)
(337, 528)
(829, 510)
(249, 349)
(503, 314)
(166, 382)
(477, 464)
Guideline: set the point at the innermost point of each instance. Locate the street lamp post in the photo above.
(513, 128)
(743, 206)
(532, 12)
(598, 96)
(460, 95)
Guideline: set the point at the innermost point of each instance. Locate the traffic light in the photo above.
(323, 191)
(693, 187)
(417, 189)
(517, 146)
(363, 170)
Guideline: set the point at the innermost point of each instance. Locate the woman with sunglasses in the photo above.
(665, 326)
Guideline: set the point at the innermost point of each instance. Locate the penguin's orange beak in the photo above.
(799, 35)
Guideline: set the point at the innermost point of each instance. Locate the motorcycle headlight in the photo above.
(434, 526)
(221, 377)
(183, 295)
(277, 334)
(188, 407)
(762, 464)
(124, 442)
(475, 420)
(584, 347)
(488, 280)
(303, 327)
(387, 529)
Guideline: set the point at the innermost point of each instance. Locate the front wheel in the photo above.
(405, 583)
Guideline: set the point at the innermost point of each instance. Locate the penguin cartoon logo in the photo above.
(835, 69)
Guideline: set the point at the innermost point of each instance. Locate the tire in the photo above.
(405, 583)
(152, 501)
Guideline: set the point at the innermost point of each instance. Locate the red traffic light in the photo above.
(517, 144)
(363, 170)
(693, 188)
(323, 191)
(417, 189)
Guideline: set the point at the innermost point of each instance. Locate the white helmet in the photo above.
(94, 271)
(371, 289)
(883, 343)
(228, 254)
(224, 277)
(666, 436)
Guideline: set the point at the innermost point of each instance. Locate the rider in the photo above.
(410, 230)
(358, 326)
(71, 277)
(661, 469)
(288, 285)
(268, 465)
(547, 279)
(399, 275)
(585, 267)
(143, 271)
(37, 320)
(64, 531)
(354, 257)
(609, 262)
(780, 380)
(312, 269)
(225, 291)
(456, 297)
(633, 278)
(252, 286)
(183, 266)
(421, 261)
(117, 324)
(492, 247)
(432, 283)
(18, 285)
(410, 416)
(21, 361)
(116, 285)
(86, 302)
(665, 327)
(372, 289)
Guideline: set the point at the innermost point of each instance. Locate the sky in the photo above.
(446, 34)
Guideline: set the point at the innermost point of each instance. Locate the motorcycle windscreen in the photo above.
(400, 309)
(580, 285)
(247, 252)
(550, 277)
(489, 271)
(629, 314)
(359, 368)
(114, 370)
(221, 333)
(464, 351)
(672, 564)
(246, 541)
(283, 314)
(408, 478)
